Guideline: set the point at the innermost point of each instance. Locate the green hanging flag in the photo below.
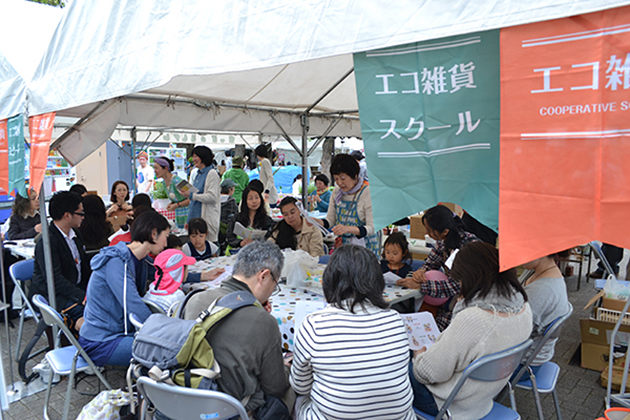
(15, 128)
(430, 123)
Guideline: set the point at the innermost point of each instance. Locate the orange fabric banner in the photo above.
(4, 158)
(40, 127)
(565, 127)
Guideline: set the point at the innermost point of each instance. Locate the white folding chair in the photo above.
(154, 307)
(21, 272)
(493, 367)
(181, 403)
(544, 381)
(65, 361)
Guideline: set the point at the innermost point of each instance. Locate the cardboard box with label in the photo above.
(596, 343)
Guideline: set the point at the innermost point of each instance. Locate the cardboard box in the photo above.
(614, 304)
(617, 378)
(596, 343)
(417, 229)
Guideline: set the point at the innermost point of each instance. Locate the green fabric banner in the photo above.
(430, 123)
(15, 127)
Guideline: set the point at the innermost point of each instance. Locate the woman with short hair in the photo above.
(296, 233)
(492, 315)
(25, 222)
(320, 198)
(206, 203)
(116, 288)
(351, 358)
(350, 209)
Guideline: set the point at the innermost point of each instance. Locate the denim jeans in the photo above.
(422, 398)
(122, 354)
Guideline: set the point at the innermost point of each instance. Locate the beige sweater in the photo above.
(472, 334)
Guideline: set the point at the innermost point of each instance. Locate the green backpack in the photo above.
(175, 350)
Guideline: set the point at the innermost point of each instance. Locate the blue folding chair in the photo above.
(324, 259)
(21, 272)
(181, 403)
(545, 379)
(416, 264)
(65, 361)
(490, 368)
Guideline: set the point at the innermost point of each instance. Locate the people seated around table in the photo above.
(492, 315)
(117, 210)
(197, 246)
(79, 189)
(321, 196)
(350, 210)
(229, 209)
(171, 268)
(70, 266)
(294, 232)
(95, 228)
(115, 290)
(447, 229)
(25, 222)
(257, 185)
(547, 296)
(396, 255)
(252, 215)
(247, 343)
(351, 359)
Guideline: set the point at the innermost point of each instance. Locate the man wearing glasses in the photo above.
(70, 265)
(247, 343)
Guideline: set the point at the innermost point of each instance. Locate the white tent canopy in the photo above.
(21, 49)
(241, 65)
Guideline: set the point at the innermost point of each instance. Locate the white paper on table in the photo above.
(422, 331)
(226, 275)
(391, 278)
(246, 233)
(303, 308)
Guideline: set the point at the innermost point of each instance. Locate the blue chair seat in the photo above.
(324, 259)
(546, 378)
(498, 412)
(60, 360)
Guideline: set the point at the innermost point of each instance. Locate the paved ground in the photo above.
(581, 396)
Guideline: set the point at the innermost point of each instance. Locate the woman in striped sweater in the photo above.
(351, 358)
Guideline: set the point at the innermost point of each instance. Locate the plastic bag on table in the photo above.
(296, 265)
(615, 290)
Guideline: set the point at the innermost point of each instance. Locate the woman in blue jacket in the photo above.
(115, 289)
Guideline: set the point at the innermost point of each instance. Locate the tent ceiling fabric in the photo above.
(12, 90)
(103, 50)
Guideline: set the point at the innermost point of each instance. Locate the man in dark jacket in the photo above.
(71, 270)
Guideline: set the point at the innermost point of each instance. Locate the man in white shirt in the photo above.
(145, 176)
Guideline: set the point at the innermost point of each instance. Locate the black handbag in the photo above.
(273, 409)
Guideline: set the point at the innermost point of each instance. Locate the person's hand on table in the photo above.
(211, 274)
(38, 227)
(245, 242)
(417, 352)
(419, 276)
(408, 282)
(342, 230)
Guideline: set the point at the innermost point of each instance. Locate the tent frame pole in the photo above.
(305, 127)
(287, 137)
(50, 277)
